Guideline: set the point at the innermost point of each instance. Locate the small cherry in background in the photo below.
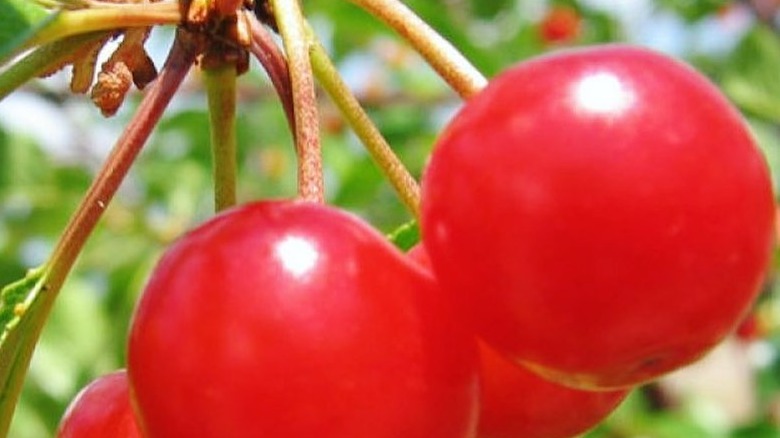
(560, 25)
(101, 410)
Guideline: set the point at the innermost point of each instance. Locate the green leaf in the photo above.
(12, 301)
(489, 10)
(693, 10)
(20, 315)
(21, 20)
(750, 79)
(405, 236)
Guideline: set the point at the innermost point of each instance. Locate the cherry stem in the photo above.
(43, 58)
(289, 18)
(330, 79)
(101, 191)
(127, 147)
(221, 94)
(264, 48)
(448, 62)
(114, 16)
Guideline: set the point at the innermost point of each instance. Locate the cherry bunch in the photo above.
(591, 220)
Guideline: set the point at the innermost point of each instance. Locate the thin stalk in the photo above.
(127, 147)
(41, 59)
(221, 93)
(291, 23)
(25, 335)
(264, 48)
(66, 4)
(116, 16)
(451, 65)
(330, 79)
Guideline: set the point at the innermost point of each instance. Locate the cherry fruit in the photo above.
(517, 403)
(102, 409)
(601, 215)
(560, 25)
(292, 319)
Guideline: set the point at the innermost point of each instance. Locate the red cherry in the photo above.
(516, 403)
(100, 410)
(750, 328)
(602, 215)
(561, 24)
(288, 319)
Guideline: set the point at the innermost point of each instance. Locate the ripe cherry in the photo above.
(602, 215)
(287, 319)
(750, 328)
(517, 403)
(102, 409)
(561, 24)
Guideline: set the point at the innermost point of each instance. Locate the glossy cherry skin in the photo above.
(285, 319)
(517, 403)
(602, 215)
(102, 409)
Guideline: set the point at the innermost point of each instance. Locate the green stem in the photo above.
(330, 79)
(24, 336)
(451, 65)
(42, 59)
(114, 16)
(291, 23)
(221, 93)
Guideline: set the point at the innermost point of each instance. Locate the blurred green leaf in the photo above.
(21, 19)
(751, 77)
(19, 318)
(693, 10)
(72, 350)
(12, 304)
(766, 134)
(489, 9)
(764, 429)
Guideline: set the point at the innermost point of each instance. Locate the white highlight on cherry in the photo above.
(602, 93)
(298, 256)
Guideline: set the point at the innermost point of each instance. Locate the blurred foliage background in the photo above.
(52, 142)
